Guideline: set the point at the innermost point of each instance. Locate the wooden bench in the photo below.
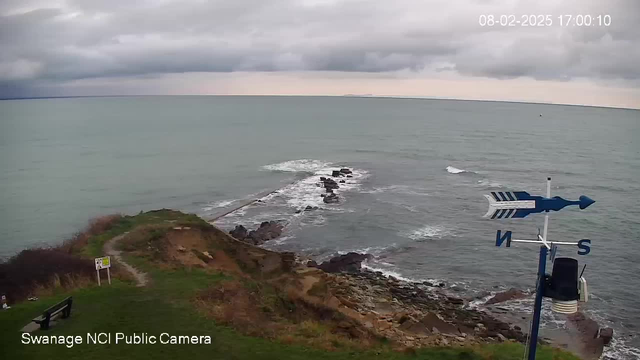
(63, 307)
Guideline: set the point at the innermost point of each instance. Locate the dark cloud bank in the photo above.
(48, 43)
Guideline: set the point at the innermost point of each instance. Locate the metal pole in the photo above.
(109, 276)
(98, 272)
(537, 310)
(546, 216)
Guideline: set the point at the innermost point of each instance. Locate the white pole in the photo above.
(109, 276)
(546, 216)
(98, 272)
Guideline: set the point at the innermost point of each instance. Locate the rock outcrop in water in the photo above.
(240, 232)
(511, 294)
(349, 262)
(331, 198)
(268, 230)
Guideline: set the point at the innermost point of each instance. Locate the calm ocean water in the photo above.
(415, 201)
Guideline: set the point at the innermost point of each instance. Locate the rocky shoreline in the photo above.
(417, 314)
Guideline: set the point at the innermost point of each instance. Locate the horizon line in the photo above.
(361, 96)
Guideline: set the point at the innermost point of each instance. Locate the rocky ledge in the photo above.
(268, 230)
(426, 314)
(330, 184)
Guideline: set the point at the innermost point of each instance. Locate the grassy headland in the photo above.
(253, 303)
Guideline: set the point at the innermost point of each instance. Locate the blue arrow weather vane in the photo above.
(519, 204)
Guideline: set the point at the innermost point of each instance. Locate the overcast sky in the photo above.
(430, 48)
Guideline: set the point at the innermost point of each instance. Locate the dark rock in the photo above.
(268, 230)
(323, 179)
(335, 173)
(345, 171)
(342, 181)
(240, 232)
(585, 331)
(510, 294)
(330, 184)
(323, 195)
(331, 199)
(329, 191)
(428, 283)
(309, 208)
(349, 176)
(298, 211)
(606, 334)
(312, 263)
(455, 300)
(344, 263)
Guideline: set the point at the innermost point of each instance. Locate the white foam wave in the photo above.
(281, 240)
(218, 204)
(490, 184)
(619, 350)
(302, 165)
(308, 191)
(372, 250)
(387, 272)
(427, 232)
(455, 170)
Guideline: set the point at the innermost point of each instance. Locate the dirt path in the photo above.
(109, 248)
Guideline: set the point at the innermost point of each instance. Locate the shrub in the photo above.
(35, 269)
(96, 226)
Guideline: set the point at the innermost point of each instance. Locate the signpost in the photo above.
(519, 204)
(103, 263)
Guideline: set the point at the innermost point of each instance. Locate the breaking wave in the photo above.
(218, 204)
(455, 170)
(427, 232)
(302, 165)
(306, 192)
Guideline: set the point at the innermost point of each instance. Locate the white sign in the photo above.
(103, 263)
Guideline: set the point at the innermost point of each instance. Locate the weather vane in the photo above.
(564, 285)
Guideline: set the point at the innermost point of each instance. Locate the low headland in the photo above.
(182, 288)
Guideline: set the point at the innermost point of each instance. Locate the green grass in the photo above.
(164, 216)
(165, 307)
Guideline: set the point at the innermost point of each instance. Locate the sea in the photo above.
(414, 201)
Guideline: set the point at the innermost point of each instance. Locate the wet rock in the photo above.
(240, 232)
(268, 230)
(344, 263)
(345, 171)
(510, 294)
(330, 184)
(342, 181)
(455, 300)
(586, 332)
(335, 173)
(312, 263)
(349, 176)
(331, 198)
(606, 334)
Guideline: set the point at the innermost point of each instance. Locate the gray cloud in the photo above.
(45, 43)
